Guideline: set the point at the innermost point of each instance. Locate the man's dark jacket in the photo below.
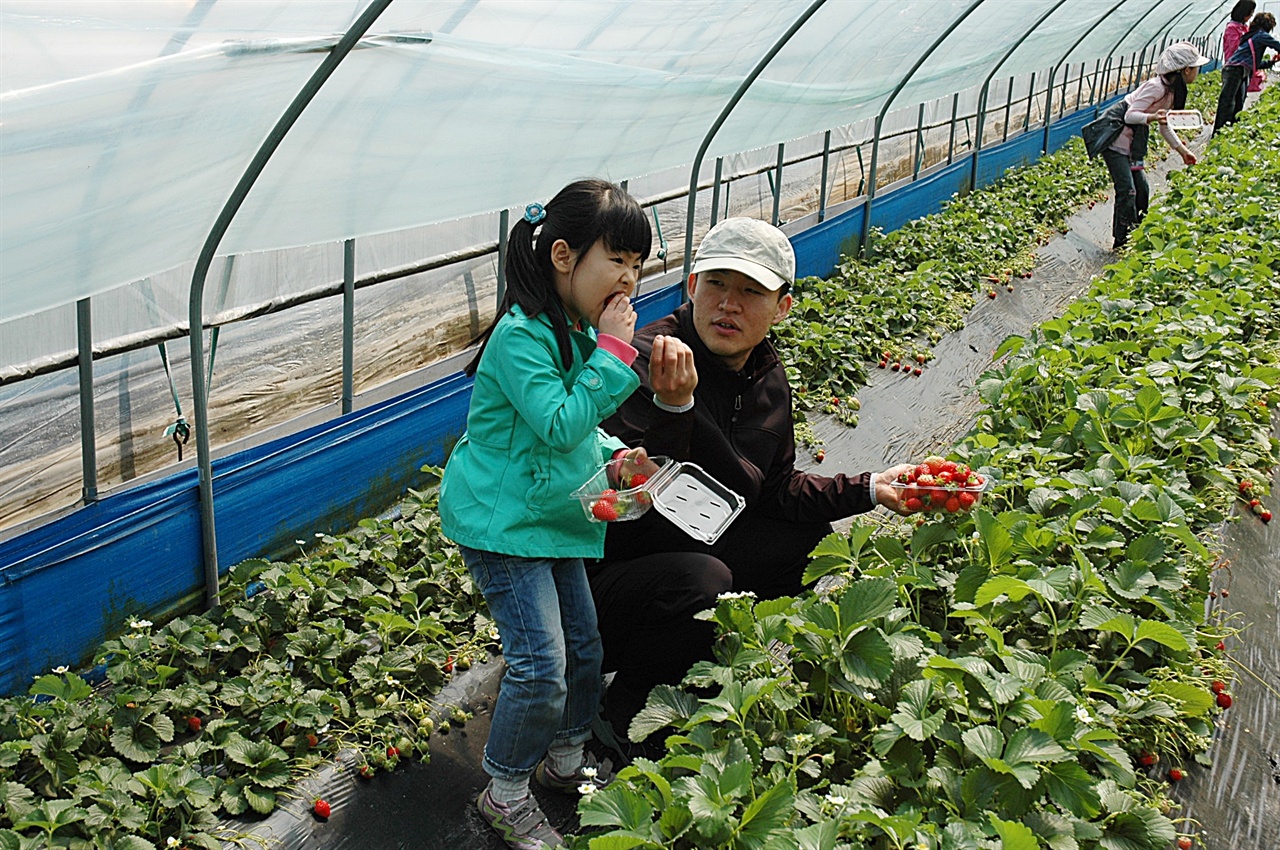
(739, 430)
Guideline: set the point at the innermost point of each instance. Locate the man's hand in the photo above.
(671, 371)
(886, 493)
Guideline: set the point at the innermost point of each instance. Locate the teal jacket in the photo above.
(532, 438)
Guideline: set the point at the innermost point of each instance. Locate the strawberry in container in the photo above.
(938, 484)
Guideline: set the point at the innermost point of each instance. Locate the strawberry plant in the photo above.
(215, 715)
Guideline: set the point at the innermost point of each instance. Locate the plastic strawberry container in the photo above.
(684, 493)
(945, 487)
(628, 504)
(1184, 119)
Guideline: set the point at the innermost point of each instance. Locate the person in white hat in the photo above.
(736, 423)
(1148, 104)
(1240, 66)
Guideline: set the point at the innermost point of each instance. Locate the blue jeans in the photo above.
(547, 621)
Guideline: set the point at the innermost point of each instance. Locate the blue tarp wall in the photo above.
(69, 584)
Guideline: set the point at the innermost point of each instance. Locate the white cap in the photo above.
(1179, 55)
(760, 251)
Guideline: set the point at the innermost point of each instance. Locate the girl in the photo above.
(1178, 66)
(1241, 65)
(554, 363)
(1236, 29)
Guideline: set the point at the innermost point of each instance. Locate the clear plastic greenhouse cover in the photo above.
(124, 126)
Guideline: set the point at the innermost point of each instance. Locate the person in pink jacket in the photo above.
(1236, 28)
(1148, 104)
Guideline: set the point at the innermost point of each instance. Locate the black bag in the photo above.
(1103, 130)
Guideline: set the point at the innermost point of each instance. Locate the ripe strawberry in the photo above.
(1265, 516)
(609, 496)
(884, 364)
(448, 662)
(991, 293)
(312, 740)
(1009, 287)
(639, 479)
(944, 477)
(952, 504)
(1184, 843)
(1175, 775)
(393, 752)
(366, 771)
(1146, 759)
(950, 466)
(1225, 593)
(604, 511)
(835, 400)
(1246, 485)
(917, 371)
(1224, 700)
(896, 366)
(1218, 686)
(914, 504)
(1221, 646)
(321, 808)
(194, 723)
(966, 500)
(820, 456)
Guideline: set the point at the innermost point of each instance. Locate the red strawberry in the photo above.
(952, 505)
(820, 456)
(393, 752)
(1146, 759)
(1224, 700)
(1184, 843)
(944, 477)
(321, 808)
(1175, 775)
(1265, 516)
(966, 500)
(638, 479)
(914, 504)
(950, 466)
(1218, 687)
(927, 480)
(896, 366)
(1221, 646)
(1009, 287)
(991, 293)
(917, 371)
(194, 723)
(884, 364)
(610, 496)
(312, 740)
(1246, 485)
(448, 662)
(1225, 593)
(604, 511)
(366, 771)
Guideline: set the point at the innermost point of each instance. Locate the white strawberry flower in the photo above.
(172, 842)
(139, 624)
(586, 789)
(589, 772)
(392, 680)
(1082, 714)
(61, 669)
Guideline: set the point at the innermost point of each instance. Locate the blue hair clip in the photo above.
(534, 213)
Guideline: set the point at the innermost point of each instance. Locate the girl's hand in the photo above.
(1189, 158)
(1161, 116)
(671, 371)
(618, 318)
(634, 462)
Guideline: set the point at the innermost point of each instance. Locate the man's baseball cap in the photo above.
(1179, 55)
(759, 250)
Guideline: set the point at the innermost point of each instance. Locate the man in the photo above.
(729, 413)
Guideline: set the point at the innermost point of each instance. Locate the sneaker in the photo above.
(592, 772)
(522, 826)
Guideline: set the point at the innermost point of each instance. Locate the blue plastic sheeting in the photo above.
(71, 583)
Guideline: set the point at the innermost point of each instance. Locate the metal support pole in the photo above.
(1080, 87)
(715, 189)
(88, 435)
(951, 131)
(1008, 110)
(1048, 111)
(915, 172)
(884, 110)
(822, 187)
(348, 324)
(196, 306)
(1031, 94)
(504, 226)
(777, 185)
(715, 127)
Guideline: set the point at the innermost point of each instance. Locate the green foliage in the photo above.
(343, 647)
(990, 680)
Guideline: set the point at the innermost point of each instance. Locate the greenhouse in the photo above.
(230, 615)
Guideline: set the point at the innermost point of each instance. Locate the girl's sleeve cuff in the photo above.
(619, 349)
